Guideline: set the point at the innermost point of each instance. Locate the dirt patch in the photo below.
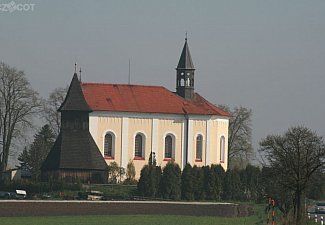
(60, 208)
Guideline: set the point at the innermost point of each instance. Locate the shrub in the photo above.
(130, 174)
(187, 183)
(149, 181)
(171, 181)
(198, 183)
(232, 186)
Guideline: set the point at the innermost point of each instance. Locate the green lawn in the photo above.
(126, 220)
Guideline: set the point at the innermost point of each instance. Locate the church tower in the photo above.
(185, 74)
(75, 155)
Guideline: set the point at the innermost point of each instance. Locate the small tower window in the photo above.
(187, 82)
(199, 142)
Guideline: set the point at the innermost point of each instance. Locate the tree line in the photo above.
(213, 183)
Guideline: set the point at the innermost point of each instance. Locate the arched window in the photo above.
(109, 145)
(199, 142)
(168, 147)
(187, 83)
(139, 146)
(222, 149)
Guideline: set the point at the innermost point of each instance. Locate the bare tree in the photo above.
(18, 104)
(293, 158)
(51, 106)
(240, 136)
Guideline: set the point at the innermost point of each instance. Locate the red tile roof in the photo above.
(144, 99)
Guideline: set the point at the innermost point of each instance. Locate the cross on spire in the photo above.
(80, 73)
(75, 68)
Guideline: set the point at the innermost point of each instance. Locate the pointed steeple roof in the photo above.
(74, 100)
(185, 61)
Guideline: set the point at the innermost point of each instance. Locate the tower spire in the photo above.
(75, 67)
(185, 73)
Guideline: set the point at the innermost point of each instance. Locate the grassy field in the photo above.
(127, 220)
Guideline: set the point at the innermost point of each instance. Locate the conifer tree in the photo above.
(209, 183)
(33, 157)
(150, 177)
(198, 183)
(171, 181)
(220, 173)
(216, 172)
(154, 180)
(232, 186)
(143, 184)
(187, 183)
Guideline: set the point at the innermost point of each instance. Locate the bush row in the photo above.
(200, 183)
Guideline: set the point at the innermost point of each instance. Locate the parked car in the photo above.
(21, 194)
(18, 194)
(7, 195)
(95, 195)
(320, 207)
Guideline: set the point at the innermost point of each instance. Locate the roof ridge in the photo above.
(137, 85)
(144, 98)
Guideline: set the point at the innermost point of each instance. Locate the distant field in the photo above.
(259, 218)
(127, 220)
(145, 219)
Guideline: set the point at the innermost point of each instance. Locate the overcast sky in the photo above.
(268, 55)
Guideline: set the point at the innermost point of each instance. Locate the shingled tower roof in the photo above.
(74, 100)
(185, 61)
(74, 150)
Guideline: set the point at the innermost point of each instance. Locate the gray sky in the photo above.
(268, 55)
